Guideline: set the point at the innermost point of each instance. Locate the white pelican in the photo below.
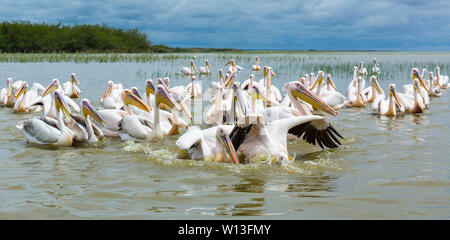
(24, 98)
(424, 71)
(7, 98)
(46, 99)
(414, 103)
(44, 130)
(253, 139)
(161, 97)
(212, 144)
(435, 91)
(205, 69)
(256, 67)
(270, 91)
(233, 67)
(112, 97)
(247, 84)
(296, 92)
(355, 96)
(92, 132)
(408, 89)
(189, 70)
(387, 107)
(328, 93)
(130, 126)
(374, 90)
(441, 81)
(375, 69)
(362, 70)
(214, 113)
(70, 89)
(353, 83)
(193, 89)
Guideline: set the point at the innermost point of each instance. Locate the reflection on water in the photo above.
(387, 167)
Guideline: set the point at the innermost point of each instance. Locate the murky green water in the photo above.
(387, 168)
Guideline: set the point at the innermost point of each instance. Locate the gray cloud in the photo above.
(315, 24)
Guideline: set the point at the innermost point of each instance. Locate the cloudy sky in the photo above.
(412, 25)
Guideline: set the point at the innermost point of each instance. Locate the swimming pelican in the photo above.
(256, 67)
(269, 90)
(387, 107)
(233, 67)
(413, 104)
(374, 90)
(46, 99)
(362, 70)
(328, 93)
(193, 89)
(355, 96)
(70, 89)
(7, 98)
(408, 89)
(189, 70)
(441, 81)
(375, 69)
(130, 125)
(205, 69)
(90, 130)
(247, 84)
(112, 97)
(252, 138)
(24, 100)
(212, 144)
(44, 130)
(435, 91)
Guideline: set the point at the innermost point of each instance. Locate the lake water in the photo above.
(387, 168)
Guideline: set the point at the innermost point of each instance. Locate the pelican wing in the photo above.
(192, 136)
(239, 133)
(318, 130)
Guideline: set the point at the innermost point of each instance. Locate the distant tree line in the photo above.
(27, 37)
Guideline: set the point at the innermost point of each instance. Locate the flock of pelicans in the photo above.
(252, 118)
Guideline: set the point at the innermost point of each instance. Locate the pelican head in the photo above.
(135, 91)
(283, 159)
(393, 94)
(237, 98)
(163, 96)
(108, 91)
(299, 90)
(257, 60)
(60, 104)
(374, 82)
(225, 140)
(416, 75)
(319, 79)
(167, 81)
(149, 87)
(330, 82)
(74, 79)
(230, 79)
(50, 88)
(22, 90)
(130, 99)
(88, 110)
(252, 76)
(231, 62)
(191, 63)
(207, 64)
(375, 61)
